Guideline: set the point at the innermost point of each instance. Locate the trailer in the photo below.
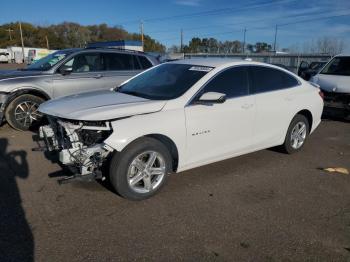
(36, 54)
(4, 55)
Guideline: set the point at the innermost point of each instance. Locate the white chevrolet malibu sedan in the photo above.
(177, 116)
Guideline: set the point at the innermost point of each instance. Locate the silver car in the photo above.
(65, 72)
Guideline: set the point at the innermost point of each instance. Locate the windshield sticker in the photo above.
(201, 68)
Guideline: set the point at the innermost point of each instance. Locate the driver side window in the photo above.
(89, 62)
(232, 82)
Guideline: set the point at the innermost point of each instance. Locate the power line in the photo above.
(301, 21)
(265, 27)
(253, 5)
(251, 21)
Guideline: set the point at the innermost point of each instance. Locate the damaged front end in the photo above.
(80, 145)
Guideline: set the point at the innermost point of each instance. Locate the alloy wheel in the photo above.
(27, 112)
(298, 135)
(146, 172)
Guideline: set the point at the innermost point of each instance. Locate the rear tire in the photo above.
(132, 173)
(21, 113)
(297, 134)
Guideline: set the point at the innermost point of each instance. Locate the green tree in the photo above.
(69, 35)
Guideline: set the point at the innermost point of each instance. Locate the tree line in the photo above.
(212, 45)
(69, 35)
(322, 45)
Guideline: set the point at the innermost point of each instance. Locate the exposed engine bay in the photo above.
(80, 144)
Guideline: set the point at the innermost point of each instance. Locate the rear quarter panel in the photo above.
(307, 97)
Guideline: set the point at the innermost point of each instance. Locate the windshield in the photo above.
(164, 82)
(48, 61)
(338, 66)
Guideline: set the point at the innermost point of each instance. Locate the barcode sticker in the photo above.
(201, 68)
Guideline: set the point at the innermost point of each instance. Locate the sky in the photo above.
(298, 21)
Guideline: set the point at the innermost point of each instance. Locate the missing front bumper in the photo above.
(84, 161)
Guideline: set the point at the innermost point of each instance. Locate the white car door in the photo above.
(275, 100)
(219, 130)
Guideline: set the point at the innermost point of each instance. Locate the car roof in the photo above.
(343, 54)
(212, 62)
(112, 49)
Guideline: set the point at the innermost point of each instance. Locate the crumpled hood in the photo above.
(332, 83)
(7, 74)
(100, 105)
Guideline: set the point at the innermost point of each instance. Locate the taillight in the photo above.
(321, 94)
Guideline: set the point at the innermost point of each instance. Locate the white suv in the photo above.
(177, 116)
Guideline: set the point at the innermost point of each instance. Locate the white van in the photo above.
(334, 81)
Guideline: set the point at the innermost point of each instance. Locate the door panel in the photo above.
(215, 130)
(219, 130)
(274, 91)
(86, 74)
(273, 114)
(75, 83)
(115, 78)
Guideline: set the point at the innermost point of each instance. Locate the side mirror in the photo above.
(212, 98)
(64, 70)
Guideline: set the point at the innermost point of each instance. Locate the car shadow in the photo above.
(16, 238)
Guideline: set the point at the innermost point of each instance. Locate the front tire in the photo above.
(22, 112)
(141, 169)
(297, 134)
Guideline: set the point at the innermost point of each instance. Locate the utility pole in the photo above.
(243, 49)
(47, 42)
(181, 41)
(20, 29)
(274, 44)
(9, 30)
(142, 37)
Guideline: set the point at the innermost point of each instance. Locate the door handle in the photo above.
(247, 106)
(288, 98)
(98, 76)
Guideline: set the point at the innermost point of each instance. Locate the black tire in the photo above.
(11, 108)
(287, 145)
(121, 162)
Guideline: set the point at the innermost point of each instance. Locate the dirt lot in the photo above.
(266, 206)
(6, 66)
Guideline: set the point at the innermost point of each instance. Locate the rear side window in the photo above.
(145, 63)
(115, 61)
(232, 82)
(265, 79)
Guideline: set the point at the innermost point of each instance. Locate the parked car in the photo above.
(4, 57)
(63, 73)
(334, 81)
(180, 115)
(306, 70)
